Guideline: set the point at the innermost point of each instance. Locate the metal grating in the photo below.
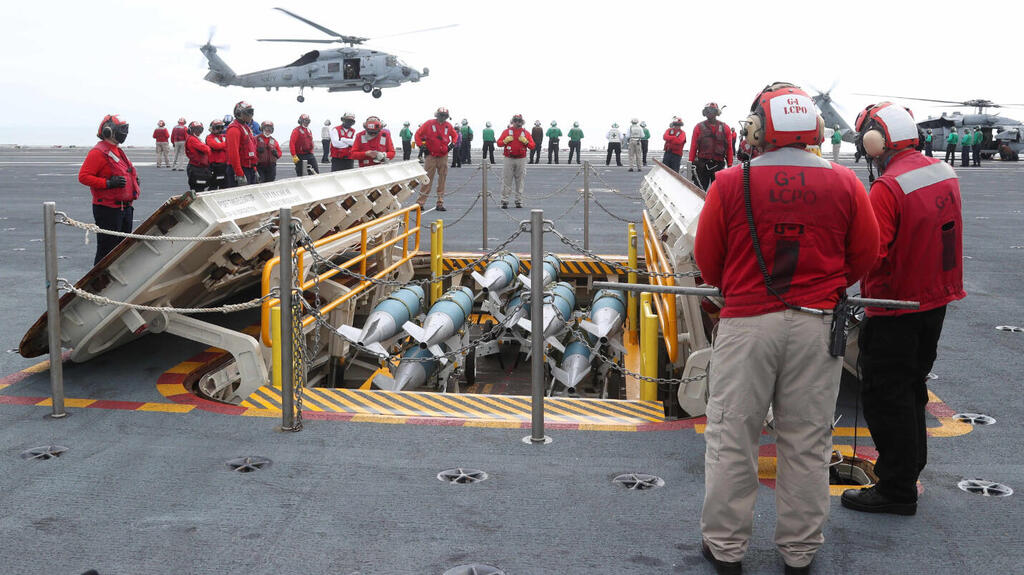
(248, 464)
(462, 475)
(986, 488)
(975, 418)
(639, 481)
(474, 569)
(44, 452)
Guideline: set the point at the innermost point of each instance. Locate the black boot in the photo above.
(871, 500)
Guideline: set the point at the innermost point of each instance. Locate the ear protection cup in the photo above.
(820, 136)
(754, 132)
(873, 143)
(106, 131)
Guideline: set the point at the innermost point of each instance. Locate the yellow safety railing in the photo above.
(436, 258)
(665, 303)
(631, 297)
(412, 228)
(648, 349)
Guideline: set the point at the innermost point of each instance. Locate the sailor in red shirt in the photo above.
(163, 147)
(301, 147)
(178, 136)
(267, 152)
(373, 146)
(342, 137)
(916, 201)
(675, 139)
(711, 147)
(241, 147)
(437, 136)
(198, 158)
(782, 249)
(517, 143)
(218, 143)
(113, 181)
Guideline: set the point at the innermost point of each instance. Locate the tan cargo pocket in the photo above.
(713, 432)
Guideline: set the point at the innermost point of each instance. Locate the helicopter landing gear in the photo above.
(300, 97)
(376, 93)
(367, 88)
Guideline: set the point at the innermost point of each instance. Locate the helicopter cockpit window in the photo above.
(392, 61)
(307, 58)
(351, 68)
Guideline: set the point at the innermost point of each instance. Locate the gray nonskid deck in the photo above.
(142, 492)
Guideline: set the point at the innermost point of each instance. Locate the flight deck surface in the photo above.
(144, 488)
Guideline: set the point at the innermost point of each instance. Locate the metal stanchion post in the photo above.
(537, 327)
(287, 325)
(53, 309)
(586, 205)
(483, 201)
(648, 348)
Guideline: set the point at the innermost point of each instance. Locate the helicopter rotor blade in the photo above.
(909, 98)
(297, 40)
(323, 29)
(416, 31)
(833, 86)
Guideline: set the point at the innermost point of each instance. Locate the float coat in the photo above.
(386, 319)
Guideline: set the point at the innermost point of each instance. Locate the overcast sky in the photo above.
(67, 63)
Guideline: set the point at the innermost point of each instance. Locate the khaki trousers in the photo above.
(635, 155)
(163, 152)
(513, 176)
(437, 169)
(835, 152)
(180, 159)
(779, 359)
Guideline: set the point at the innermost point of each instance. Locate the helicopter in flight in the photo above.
(998, 130)
(342, 69)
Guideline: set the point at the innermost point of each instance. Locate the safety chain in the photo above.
(307, 243)
(63, 218)
(579, 198)
(605, 210)
(465, 183)
(63, 284)
(554, 193)
(466, 213)
(300, 359)
(609, 187)
(625, 269)
(503, 211)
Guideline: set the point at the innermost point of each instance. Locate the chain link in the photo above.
(300, 361)
(605, 210)
(63, 218)
(65, 285)
(464, 183)
(465, 213)
(609, 187)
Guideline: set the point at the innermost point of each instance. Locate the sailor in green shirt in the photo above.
(554, 132)
(406, 135)
(966, 140)
(488, 143)
(837, 142)
(575, 136)
(644, 140)
(951, 141)
(467, 140)
(978, 138)
(928, 143)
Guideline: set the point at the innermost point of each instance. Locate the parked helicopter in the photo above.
(337, 69)
(998, 130)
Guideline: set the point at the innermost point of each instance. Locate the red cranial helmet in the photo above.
(711, 110)
(304, 120)
(267, 127)
(373, 125)
(783, 115)
(112, 127)
(160, 123)
(242, 108)
(885, 127)
(181, 121)
(195, 128)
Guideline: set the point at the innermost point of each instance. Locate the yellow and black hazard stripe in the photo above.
(570, 266)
